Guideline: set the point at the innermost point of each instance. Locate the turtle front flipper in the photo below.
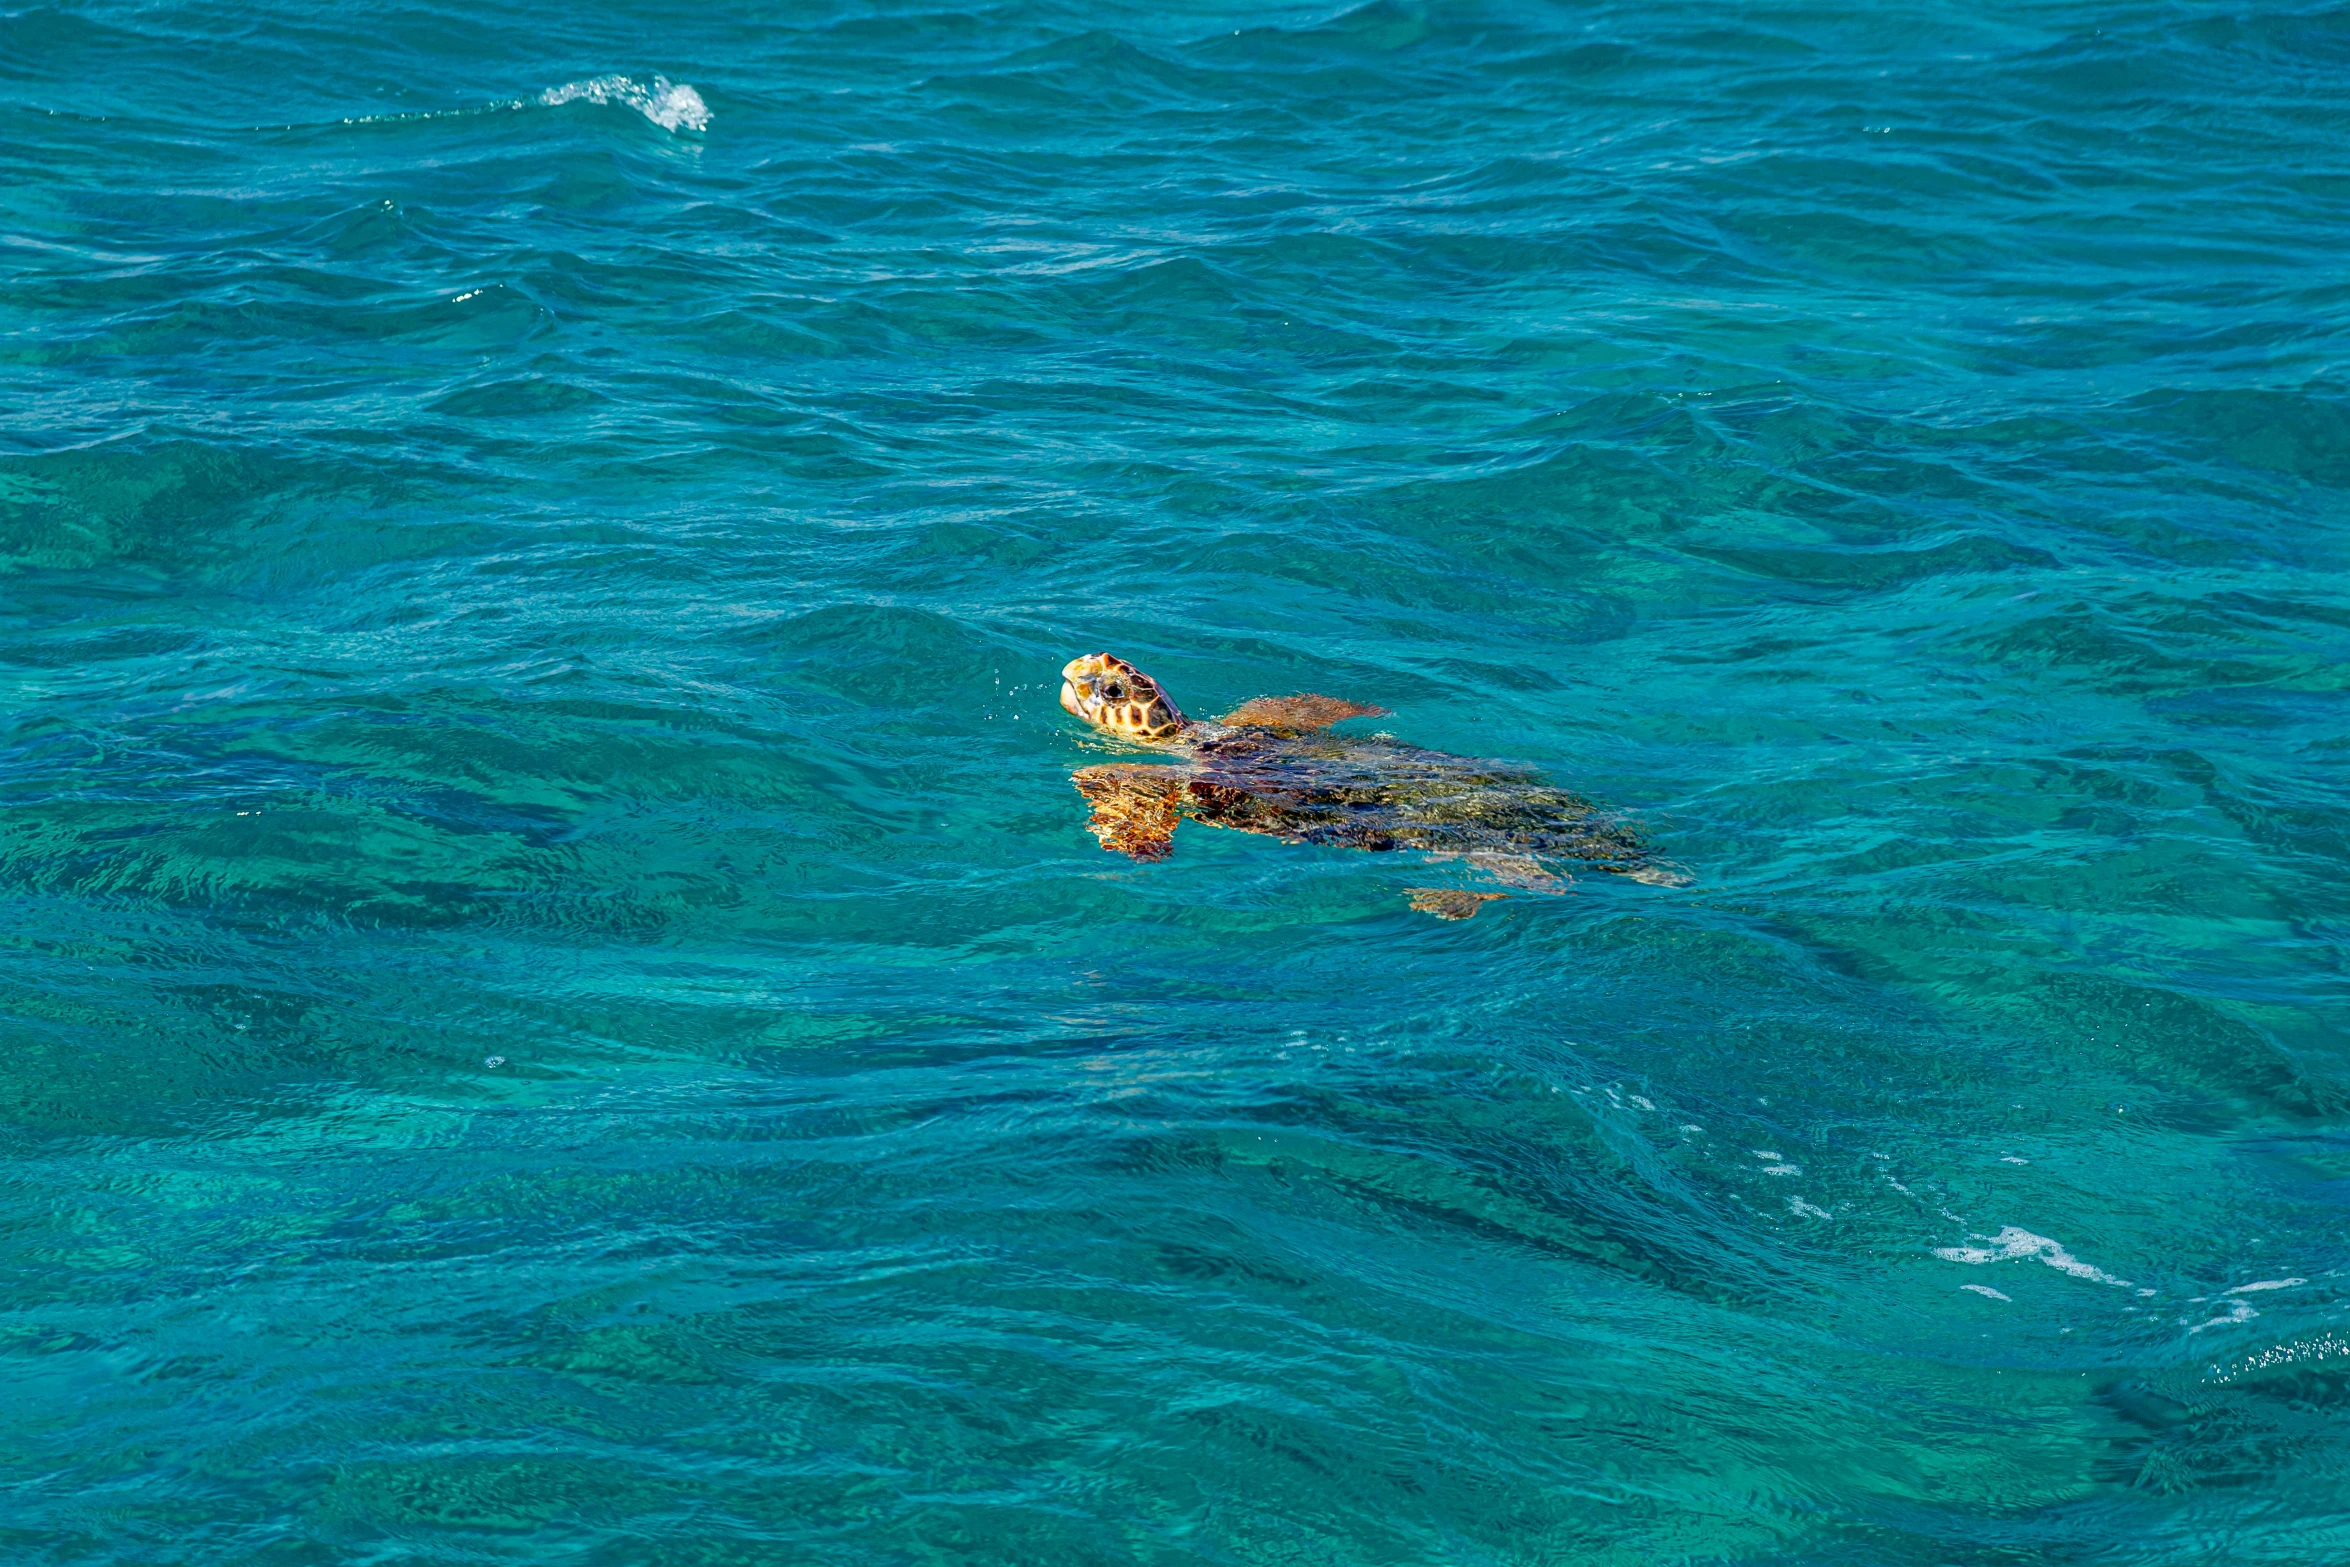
(1516, 870)
(1303, 711)
(1511, 870)
(1135, 808)
(1449, 903)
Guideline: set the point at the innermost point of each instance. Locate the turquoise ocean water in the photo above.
(555, 1002)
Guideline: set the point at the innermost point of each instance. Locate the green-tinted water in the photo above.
(555, 1002)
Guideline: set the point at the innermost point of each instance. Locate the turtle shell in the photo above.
(1374, 792)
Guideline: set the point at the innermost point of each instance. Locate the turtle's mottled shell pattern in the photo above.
(1374, 792)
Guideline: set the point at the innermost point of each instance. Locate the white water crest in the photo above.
(2014, 1242)
(674, 106)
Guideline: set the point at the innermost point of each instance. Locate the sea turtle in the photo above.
(1273, 765)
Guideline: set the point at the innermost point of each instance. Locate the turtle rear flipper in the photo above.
(1303, 711)
(1135, 808)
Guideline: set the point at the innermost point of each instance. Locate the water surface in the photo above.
(555, 1003)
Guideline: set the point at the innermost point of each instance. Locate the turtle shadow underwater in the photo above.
(1277, 765)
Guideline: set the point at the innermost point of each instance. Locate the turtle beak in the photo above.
(1072, 694)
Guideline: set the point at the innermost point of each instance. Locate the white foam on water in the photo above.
(2238, 1311)
(2264, 1284)
(673, 106)
(2328, 1346)
(1985, 1289)
(1798, 1205)
(2014, 1242)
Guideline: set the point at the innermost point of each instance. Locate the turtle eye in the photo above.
(1114, 691)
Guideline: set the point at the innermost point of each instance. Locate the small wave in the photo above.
(673, 106)
(2014, 1242)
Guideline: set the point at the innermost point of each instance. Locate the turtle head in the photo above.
(1113, 695)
